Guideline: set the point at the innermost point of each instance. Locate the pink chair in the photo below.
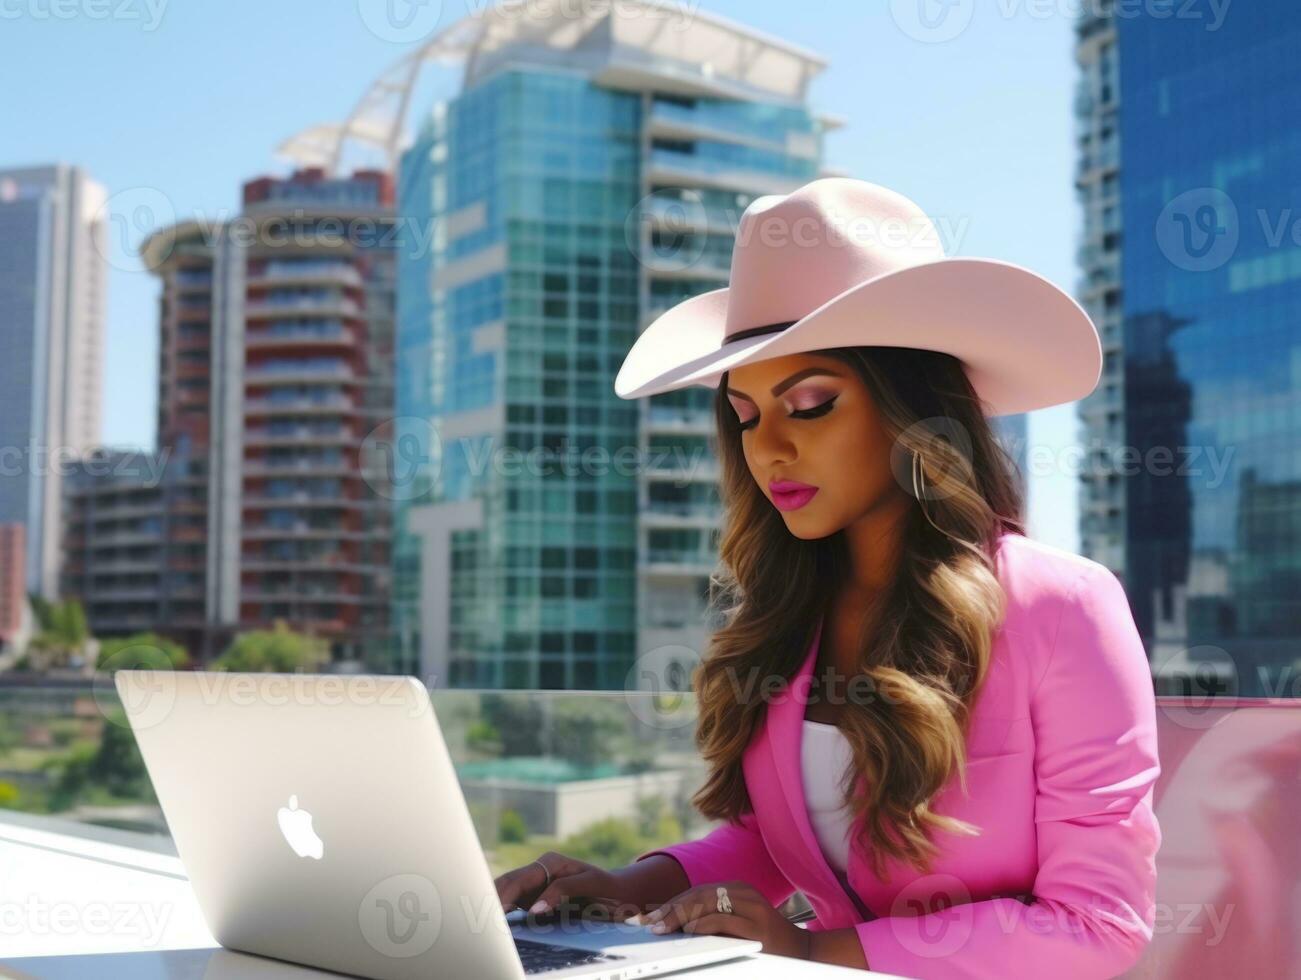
(1229, 868)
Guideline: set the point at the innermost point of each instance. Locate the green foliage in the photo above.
(40, 610)
(649, 809)
(62, 635)
(518, 720)
(117, 765)
(655, 820)
(607, 843)
(70, 776)
(482, 736)
(586, 731)
(8, 795)
(112, 765)
(511, 828)
(143, 650)
(278, 650)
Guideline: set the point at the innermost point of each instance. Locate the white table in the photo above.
(72, 906)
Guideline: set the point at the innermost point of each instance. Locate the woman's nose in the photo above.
(771, 446)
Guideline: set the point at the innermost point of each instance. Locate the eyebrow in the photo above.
(781, 386)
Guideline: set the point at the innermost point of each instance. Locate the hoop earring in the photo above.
(919, 472)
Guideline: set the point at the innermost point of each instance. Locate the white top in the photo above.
(825, 755)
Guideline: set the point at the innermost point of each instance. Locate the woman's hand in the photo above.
(695, 912)
(572, 881)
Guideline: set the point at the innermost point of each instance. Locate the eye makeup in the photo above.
(813, 412)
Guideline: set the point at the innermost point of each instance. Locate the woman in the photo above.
(955, 764)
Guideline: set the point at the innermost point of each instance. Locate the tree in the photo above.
(62, 636)
(481, 736)
(117, 765)
(143, 650)
(606, 843)
(278, 650)
(511, 828)
(70, 775)
(586, 730)
(517, 719)
(113, 764)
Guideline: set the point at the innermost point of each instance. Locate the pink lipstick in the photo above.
(790, 494)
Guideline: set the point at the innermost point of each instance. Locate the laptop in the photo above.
(320, 822)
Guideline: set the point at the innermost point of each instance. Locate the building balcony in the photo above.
(1096, 164)
(287, 594)
(306, 532)
(107, 566)
(315, 467)
(302, 338)
(1104, 398)
(308, 306)
(254, 407)
(101, 540)
(676, 563)
(688, 170)
(1094, 20)
(679, 515)
(1101, 278)
(664, 420)
(1093, 255)
(307, 563)
(121, 594)
(306, 273)
(105, 511)
(680, 122)
(673, 215)
(303, 436)
(193, 344)
(255, 499)
(686, 267)
(302, 374)
(707, 470)
(187, 278)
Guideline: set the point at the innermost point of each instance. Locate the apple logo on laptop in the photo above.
(296, 825)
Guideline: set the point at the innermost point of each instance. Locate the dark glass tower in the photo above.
(1204, 154)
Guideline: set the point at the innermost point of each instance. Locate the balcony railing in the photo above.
(606, 776)
(302, 306)
(538, 768)
(307, 272)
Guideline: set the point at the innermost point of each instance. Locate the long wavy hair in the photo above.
(933, 627)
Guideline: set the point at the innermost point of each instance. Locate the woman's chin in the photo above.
(806, 526)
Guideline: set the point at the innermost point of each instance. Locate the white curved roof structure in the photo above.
(631, 44)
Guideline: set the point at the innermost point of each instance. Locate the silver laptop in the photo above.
(320, 821)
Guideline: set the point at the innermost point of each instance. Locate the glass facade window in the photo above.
(550, 163)
(1212, 345)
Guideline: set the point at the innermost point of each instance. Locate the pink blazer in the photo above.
(1062, 758)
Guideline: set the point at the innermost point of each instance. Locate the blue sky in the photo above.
(187, 99)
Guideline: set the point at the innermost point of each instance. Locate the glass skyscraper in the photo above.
(547, 531)
(1189, 165)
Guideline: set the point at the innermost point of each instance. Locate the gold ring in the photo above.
(544, 869)
(724, 903)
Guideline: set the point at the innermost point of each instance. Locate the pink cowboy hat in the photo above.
(843, 262)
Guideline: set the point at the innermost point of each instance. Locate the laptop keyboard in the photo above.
(541, 957)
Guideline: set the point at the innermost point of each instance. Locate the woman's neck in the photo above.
(873, 542)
